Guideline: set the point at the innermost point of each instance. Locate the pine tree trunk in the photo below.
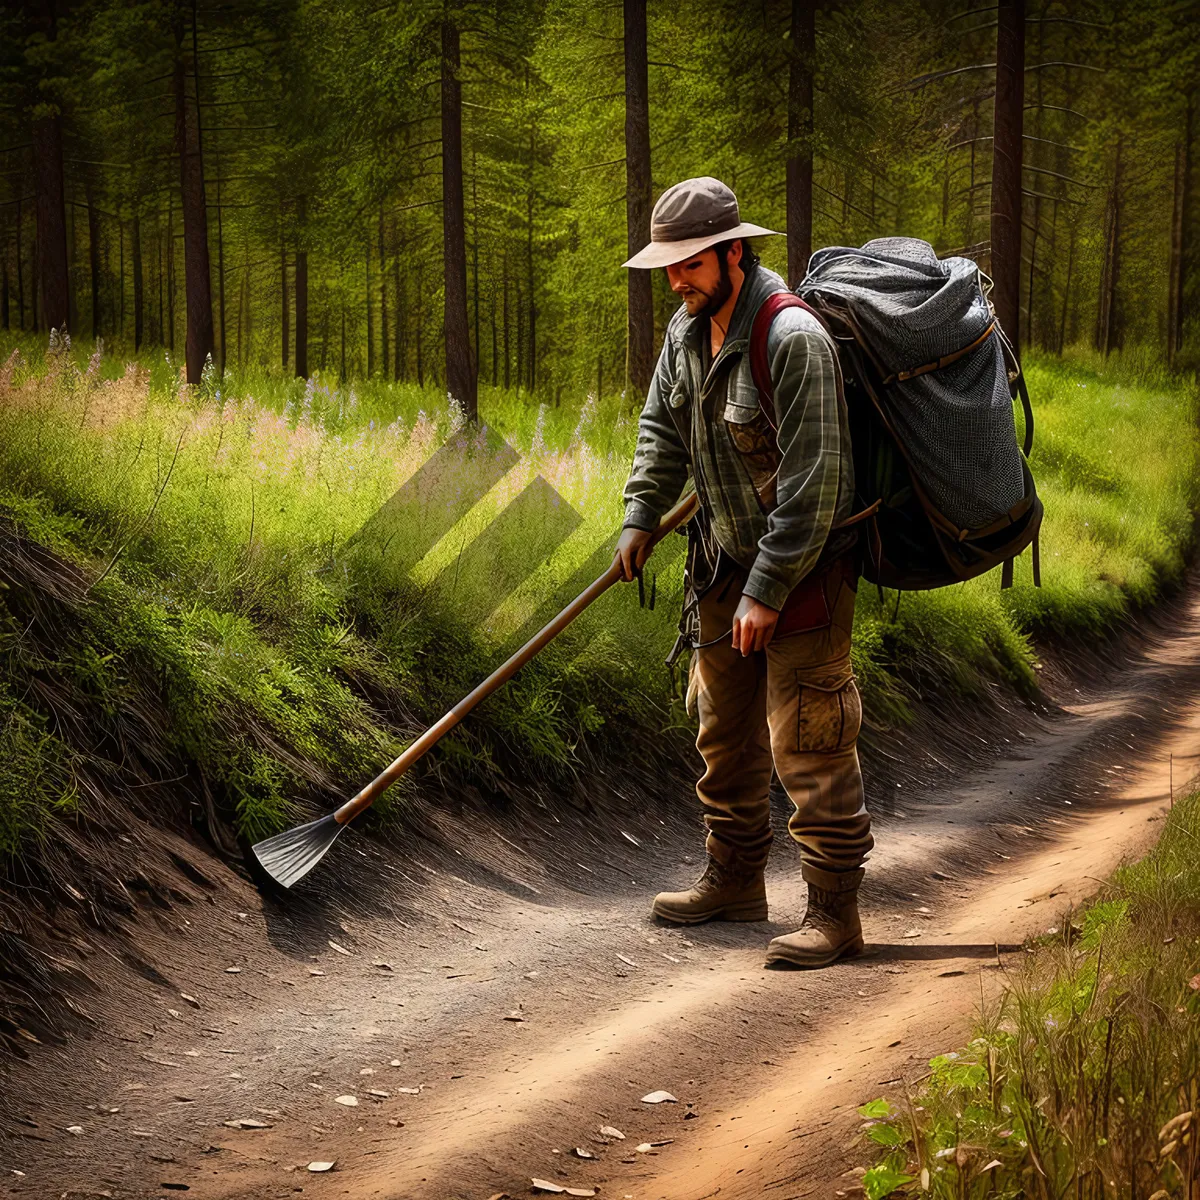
(51, 224)
(529, 271)
(33, 285)
(93, 258)
(1177, 273)
(138, 285)
(301, 292)
(4, 316)
(1007, 149)
(495, 332)
(72, 271)
(197, 280)
(20, 269)
(370, 314)
(520, 340)
(240, 314)
(158, 251)
(248, 296)
(476, 348)
(420, 315)
(121, 240)
(221, 323)
(461, 381)
(285, 332)
(507, 348)
(384, 328)
(1035, 230)
(800, 140)
(400, 359)
(639, 354)
(1066, 298)
(170, 273)
(1108, 325)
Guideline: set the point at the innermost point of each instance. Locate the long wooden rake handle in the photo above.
(681, 513)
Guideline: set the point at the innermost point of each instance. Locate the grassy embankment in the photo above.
(1084, 1079)
(241, 580)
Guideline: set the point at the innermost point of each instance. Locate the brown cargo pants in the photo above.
(796, 705)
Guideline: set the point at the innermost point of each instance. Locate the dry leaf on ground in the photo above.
(317, 1167)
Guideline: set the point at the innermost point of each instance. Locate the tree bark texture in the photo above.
(800, 139)
(639, 354)
(384, 326)
(1108, 323)
(370, 311)
(461, 380)
(94, 259)
(285, 333)
(196, 272)
(51, 223)
(170, 251)
(138, 285)
(301, 292)
(400, 357)
(529, 276)
(1181, 204)
(20, 268)
(1007, 129)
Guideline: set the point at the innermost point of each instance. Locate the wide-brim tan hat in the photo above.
(690, 217)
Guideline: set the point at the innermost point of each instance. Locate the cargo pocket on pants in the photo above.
(827, 720)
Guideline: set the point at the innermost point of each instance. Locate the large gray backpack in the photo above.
(930, 382)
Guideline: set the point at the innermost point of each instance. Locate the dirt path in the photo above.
(408, 1009)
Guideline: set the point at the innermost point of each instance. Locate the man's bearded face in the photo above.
(702, 282)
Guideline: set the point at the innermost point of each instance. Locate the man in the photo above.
(773, 576)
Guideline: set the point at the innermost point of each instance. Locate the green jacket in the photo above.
(693, 425)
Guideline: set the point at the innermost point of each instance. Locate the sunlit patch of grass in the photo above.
(1084, 1079)
(249, 516)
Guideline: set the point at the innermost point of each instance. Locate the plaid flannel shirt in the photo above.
(683, 431)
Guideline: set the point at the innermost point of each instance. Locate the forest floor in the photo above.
(488, 1015)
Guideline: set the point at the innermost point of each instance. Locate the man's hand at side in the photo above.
(632, 551)
(753, 625)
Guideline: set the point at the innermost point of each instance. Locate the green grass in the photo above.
(242, 578)
(1084, 1079)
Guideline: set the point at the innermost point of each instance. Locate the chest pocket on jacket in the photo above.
(754, 440)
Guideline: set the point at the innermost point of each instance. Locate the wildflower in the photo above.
(458, 414)
(537, 447)
(587, 415)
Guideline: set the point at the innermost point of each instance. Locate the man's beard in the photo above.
(724, 289)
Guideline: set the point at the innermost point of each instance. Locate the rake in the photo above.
(288, 857)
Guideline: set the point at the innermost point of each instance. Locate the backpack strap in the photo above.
(1024, 393)
(760, 367)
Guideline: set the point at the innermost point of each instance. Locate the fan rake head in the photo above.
(289, 856)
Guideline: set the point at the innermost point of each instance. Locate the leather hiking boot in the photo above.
(726, 892)
(830, 929)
